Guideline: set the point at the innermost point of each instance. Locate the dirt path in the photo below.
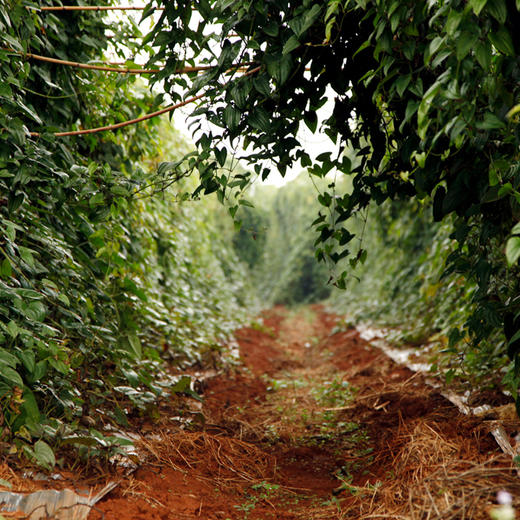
(314, 425)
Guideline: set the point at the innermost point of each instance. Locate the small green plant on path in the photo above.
(265, 491)
(261, 327)
(334, 393)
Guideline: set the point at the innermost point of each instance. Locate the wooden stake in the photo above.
(119, 70)
(124, 123)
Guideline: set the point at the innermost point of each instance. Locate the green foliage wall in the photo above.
(404, 284)
(99, 282)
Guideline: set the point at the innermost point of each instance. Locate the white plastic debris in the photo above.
(50, 503)
(504, 498)
(402, 356)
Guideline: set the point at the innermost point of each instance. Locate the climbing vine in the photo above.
(99, 282)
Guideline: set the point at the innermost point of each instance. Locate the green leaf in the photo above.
(131, 376)
(132, 287)
(10, 375)
(181, 385)
(120, 191)
(513, 250)
(302, 23)
(465, 42)
(271, 29)
(28, 360)
(15, 201)
(231, 117)
(221, 155)
(362, 47)
(260, 120)
(80, 440)
(12, 42)
(13, 329)
(63, 298)
(59, 366)
(29, 294)
(502, 41)
(6, 269)
(6, 358)
(498, 10)
(311, 120)
(261, 84)
(135, 344)
(453, 22)
(483, 53)
(325, 199)
(26, 255)
(28, 112)
(291, 44)
(35, 311)
(240, 92)
(435, 44)
(424, 107)
(477, 5)
(44, 455)
(402, 83)
(279, 67)
(40, 370)
(5, 483)
(493, 176)
(490, 122)
(504, 190)
(97, 200)
(10, 230)
(29, 406)
(5, 90)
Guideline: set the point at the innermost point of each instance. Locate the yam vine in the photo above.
(99, 282)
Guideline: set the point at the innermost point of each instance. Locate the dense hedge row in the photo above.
(276, 241)
(404, 284)
(99, 282)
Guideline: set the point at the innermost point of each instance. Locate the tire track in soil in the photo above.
(315, 424)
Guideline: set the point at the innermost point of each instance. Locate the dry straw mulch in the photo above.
(430, 477)
(218, 457)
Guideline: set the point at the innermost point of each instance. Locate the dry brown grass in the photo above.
(428, 480)
(218, 457)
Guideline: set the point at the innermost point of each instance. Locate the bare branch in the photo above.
(91, 8)
(134, 121)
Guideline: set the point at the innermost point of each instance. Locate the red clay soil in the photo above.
(314, 424)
